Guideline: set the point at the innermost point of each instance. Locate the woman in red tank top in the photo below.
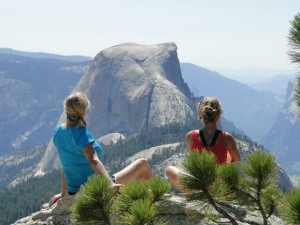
(221, 143)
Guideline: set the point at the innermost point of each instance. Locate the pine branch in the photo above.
(260, 173)
(219, 209)
(289, 207)
(133, 191)
(93, 201)
(258, 203)
(201, 172)
(158, 187)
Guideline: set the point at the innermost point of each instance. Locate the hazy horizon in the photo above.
(249, 76)
(232, 33)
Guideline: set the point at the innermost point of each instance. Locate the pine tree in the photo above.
(135, 204)
(201, 175)
(254, 185)
(96, 203)
(93, 201)
(259, 180)
(294, 53)
(289, 208)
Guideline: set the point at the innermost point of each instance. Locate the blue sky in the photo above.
(216, 33)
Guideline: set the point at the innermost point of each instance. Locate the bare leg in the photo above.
(138, 169)
(172, 174)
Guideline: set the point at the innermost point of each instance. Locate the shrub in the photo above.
(289, 208)
(252, 185)
(93, 201)
(135, 205)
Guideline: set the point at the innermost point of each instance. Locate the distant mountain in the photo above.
(283, 138)
(132, 87)
(32, 91)
(252, 75)
(42, 55)
(16, 167)
(252, 111)
(276, 85)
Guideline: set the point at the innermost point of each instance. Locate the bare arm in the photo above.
(232, 149)
(63, 184)
(63, 190)
(95, 162)
(189, 142)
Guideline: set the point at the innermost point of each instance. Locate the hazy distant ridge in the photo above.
(250, 110)
(42, 55)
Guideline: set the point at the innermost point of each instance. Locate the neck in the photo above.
(210, 128)
(69, 124)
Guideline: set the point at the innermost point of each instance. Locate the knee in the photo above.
(171, 173)
(143, 164)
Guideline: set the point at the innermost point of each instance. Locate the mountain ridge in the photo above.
(43, 55)
(132, 87)
(251, 111)
(31, 94)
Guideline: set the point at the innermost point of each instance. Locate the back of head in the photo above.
(208, 109)
(75, 106)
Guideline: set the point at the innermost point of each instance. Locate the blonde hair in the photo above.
(208, 109)
(75, 106)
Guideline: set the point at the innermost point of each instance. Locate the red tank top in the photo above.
(218, 149)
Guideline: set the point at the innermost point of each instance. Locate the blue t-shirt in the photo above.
(69, 142)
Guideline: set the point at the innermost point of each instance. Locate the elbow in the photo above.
(237, 158)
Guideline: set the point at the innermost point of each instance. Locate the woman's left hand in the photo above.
(117, 187)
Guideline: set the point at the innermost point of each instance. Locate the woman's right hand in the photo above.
(55, 198)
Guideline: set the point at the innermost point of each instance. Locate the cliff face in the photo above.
(131, 87)
(283, 138)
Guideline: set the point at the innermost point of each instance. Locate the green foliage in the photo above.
(225, 188)
(221, 192)
(141, 212)
(294, 39)
(260, 173)
(135, 204)
(26, 198)
(270, 199)
(260, 170)
(202, 183)
(294, 53)
(133, 191)
(201, 170)
(289, 208)
(93, 201)
(158, 187)
(219, 185)
(229, 174)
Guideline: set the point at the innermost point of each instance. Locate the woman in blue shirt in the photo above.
(80, 154)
